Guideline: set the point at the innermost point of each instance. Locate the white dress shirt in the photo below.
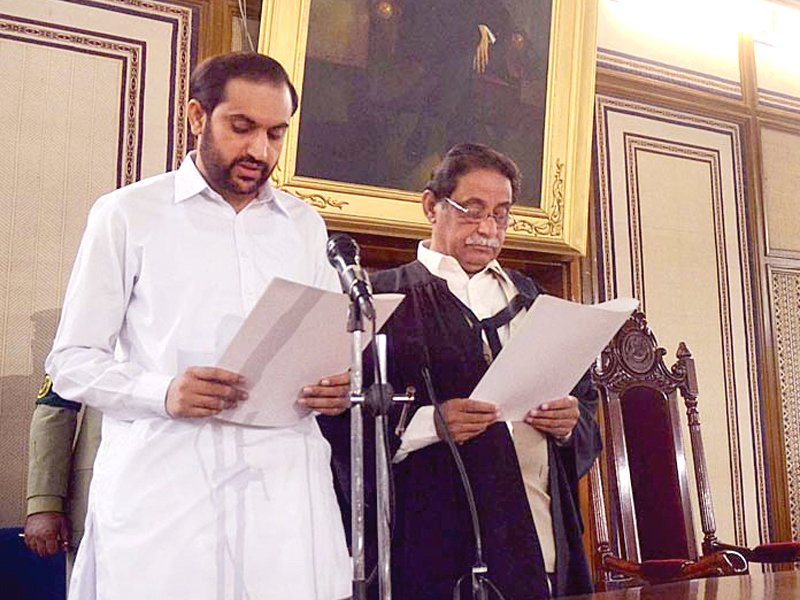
(192, 508)
(486, 293)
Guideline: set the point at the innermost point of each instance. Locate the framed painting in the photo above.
(387, 86)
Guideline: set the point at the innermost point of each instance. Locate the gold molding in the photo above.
(554, 223)
(321, 202)
(317, 200)
(559, 225)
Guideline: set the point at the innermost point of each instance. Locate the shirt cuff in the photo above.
(153, 387)
(484, 27)
(420, 433)
(563, 440)
(39, 504)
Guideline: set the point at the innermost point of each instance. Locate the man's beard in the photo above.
(220, 176)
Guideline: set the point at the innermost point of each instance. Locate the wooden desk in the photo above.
(784, 585)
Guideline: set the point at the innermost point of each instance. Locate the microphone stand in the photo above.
(379, 398)
(355, 326)
(380, 407)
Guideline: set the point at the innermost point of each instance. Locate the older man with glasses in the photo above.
(460, 308)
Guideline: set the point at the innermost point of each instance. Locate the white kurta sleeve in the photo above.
(82, 363)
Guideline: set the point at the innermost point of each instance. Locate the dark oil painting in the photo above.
(390, 85)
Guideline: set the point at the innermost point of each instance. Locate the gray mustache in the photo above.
(479, 240)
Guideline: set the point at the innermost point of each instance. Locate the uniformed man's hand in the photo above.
(556, 417)
(47, 533)
(204, 392)
(329, 396)
(466, 418)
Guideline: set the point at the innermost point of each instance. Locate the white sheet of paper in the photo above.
(294, 336)
(555, 344)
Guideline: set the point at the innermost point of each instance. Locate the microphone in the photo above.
(343, 254)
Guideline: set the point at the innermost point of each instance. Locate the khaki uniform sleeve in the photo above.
(52, 434)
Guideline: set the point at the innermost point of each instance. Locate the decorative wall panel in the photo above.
(780, 153)
(657, 41)
(785, 301)
(776, 51)
(778, 77)
(92, 97)
(673, 233)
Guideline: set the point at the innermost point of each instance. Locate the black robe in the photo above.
(433, 542)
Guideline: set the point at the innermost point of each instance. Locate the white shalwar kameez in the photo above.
(192, 509)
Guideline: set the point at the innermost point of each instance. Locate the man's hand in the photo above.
(556, 417)
(467, 418)
(329, 396)
(204, 392)
(47, 533)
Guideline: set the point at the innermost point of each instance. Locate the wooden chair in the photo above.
(773, 553)
(653, 537)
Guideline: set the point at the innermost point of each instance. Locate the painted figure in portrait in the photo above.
(389, 85)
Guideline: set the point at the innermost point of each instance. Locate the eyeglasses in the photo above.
(476, 214)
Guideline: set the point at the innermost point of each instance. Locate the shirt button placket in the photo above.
(246, 267)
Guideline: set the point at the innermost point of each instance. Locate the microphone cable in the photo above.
(479, 569)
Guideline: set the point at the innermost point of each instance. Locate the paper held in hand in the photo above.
(294, 336)
(555, 344)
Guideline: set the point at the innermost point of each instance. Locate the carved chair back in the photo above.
(650, 505)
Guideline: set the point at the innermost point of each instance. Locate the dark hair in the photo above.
(464, 158)
(209, 79)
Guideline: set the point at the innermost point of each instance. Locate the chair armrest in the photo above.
(718, 563)
(676, 569)
(620, 565)
(776, 552)
(663, 570)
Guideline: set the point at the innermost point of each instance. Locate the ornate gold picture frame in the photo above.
(558, 222)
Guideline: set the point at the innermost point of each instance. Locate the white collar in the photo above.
(189, 182)
(442, 265)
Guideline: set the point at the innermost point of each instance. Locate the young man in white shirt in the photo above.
(183, 505)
